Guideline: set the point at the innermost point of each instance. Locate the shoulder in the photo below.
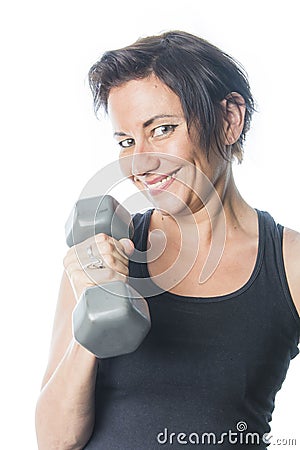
(291, 256)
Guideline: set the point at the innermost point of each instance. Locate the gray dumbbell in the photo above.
(110, 319)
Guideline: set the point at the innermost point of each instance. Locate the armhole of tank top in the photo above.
(283, 277)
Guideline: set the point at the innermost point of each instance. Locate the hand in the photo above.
(100, 247)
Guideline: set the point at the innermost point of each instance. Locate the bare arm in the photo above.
(65, 408)
(291, 255)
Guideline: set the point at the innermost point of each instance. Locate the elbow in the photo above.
(53, 432)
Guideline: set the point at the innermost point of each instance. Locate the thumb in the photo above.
(128, 245)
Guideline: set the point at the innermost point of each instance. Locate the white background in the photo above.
(51, 144)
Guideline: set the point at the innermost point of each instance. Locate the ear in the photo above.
(234, 110)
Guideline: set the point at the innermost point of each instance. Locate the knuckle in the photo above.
(109, 259)
(101, 237)
(107, 246)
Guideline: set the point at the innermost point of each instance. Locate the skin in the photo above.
(153, 147)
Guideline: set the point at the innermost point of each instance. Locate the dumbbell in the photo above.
(111, 319)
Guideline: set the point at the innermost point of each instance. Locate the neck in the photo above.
(224, 209)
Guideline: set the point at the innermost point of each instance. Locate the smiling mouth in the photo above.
(162, 180)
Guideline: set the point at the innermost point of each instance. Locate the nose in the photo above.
(144, 160)
(143, 163)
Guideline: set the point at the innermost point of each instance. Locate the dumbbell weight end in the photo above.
(111, 319)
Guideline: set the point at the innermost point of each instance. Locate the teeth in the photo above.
(159, 183)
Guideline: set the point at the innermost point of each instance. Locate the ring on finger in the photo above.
(96, 263)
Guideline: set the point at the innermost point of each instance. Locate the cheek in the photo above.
(125, 162)
(181, 147)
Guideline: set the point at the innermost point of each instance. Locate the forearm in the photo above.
(66, 406)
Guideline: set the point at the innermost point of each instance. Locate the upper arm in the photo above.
(62, 327)
(291, 256)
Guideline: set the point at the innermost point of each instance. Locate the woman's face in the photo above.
(156, 150)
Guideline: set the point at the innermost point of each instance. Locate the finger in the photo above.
(97, 277)
(111, 246)
(114, 263)
(91, 248)
(105, 275)
(124, 245)
(98, 246)
(82, 278)
(128, 246)
(110, 261)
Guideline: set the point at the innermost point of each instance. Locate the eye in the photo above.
(126, 143)
(163, 130)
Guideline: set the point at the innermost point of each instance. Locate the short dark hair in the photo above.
(198, 72)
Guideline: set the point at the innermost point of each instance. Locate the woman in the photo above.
(219, 349)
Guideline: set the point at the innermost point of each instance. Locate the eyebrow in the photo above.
(148, 122)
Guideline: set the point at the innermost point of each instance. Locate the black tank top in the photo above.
(207, 373)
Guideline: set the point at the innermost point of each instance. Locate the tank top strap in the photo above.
(141, 225)
(274, 261)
